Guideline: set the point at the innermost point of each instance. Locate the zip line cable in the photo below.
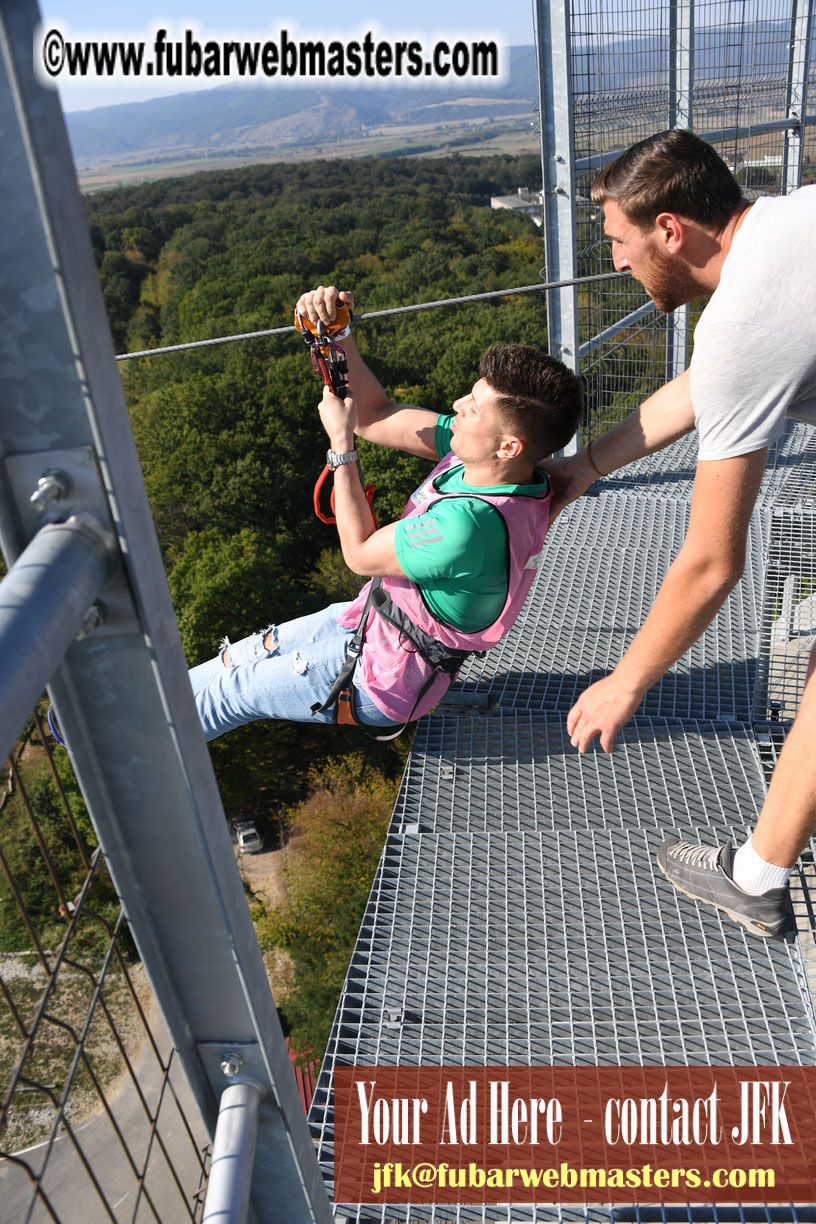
(379, 314)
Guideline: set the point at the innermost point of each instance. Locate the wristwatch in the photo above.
(335, 460)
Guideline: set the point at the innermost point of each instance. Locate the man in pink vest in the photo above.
(449, 578)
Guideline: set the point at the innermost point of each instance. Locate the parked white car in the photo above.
(249, 839)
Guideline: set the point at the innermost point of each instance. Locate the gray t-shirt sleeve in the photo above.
(743, 380)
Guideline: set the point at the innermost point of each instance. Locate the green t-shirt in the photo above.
(457, 553)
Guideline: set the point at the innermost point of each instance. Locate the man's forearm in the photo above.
(661, 419)
(708, 566)
(369, 394)
(692, 592)
(352, 512)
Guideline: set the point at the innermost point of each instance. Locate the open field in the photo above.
(471, 137)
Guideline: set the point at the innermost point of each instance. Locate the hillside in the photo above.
(241, 120)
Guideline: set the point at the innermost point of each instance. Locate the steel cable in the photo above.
(379, 314)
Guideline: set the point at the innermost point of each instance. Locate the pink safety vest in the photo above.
(391, 670)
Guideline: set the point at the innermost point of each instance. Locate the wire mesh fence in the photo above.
(95, 1118)
(788, 630)
(729, 70)
(736, 71)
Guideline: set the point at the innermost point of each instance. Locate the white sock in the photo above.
(754, 875)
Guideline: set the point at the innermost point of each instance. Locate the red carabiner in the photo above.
(370, 490)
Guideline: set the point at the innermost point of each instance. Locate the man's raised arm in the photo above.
(367, 550)
(379, 419)
(661, 419)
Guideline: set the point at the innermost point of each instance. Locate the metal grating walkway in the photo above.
(514, 772)
(518, 916)
(790, 474)
(606, 559)
(537, 967)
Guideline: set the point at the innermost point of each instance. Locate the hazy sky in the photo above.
(510, 20)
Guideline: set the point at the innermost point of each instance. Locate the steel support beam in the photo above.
(681, 93)
(552, 33)
(122, 695)
(681, 63)
(801, 34)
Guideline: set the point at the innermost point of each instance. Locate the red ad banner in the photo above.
(575, 1135)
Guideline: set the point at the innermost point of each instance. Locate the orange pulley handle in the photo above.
(323, 348)
(328, 330)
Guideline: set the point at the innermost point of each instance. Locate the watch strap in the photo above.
(336, 459)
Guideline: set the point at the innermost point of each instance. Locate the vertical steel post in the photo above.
(122, 693)
(553, 51)
(801, 34)
(680, 115)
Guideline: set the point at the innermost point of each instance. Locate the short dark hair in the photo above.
(673, 171)
(539, 399)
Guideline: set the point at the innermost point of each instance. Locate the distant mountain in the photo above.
(722, 54)
(241, 119)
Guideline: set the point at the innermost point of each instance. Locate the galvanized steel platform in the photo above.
(518, 916)
(606, 558)
(789, 479)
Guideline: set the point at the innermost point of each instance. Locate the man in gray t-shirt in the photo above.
(754, 357)
(678, 222)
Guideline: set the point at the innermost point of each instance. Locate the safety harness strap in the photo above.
(440, 658)
(344, 677)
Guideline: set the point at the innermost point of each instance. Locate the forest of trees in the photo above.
(229, 436)
(231, 444)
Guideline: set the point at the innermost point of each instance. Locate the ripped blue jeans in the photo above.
(283, 682)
